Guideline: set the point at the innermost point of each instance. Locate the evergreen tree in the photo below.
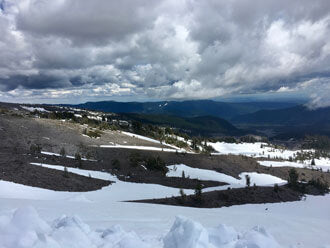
(198, 193)
(293, 177)
(62, 152)
(247, 180)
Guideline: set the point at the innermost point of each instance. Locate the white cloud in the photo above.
(163, 49)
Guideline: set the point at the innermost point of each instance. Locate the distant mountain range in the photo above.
(185, 108)
(289, 122)
(298, 115)
(201, 125)
(283, 119)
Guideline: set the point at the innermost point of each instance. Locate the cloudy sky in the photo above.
(75, 51)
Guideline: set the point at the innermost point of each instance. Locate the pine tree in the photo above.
(62, 152)
(248, 180)
(313, 162)
(198, 193)
(293, 177)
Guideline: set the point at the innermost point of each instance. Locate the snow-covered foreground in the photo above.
(323, 164)
(26, 229)
(202, 174)
(103, 217)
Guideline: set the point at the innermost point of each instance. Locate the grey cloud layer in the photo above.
(164, 49)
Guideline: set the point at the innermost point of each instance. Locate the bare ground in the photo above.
(18, 133)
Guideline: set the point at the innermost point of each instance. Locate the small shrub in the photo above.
(116, 164)
(77, 156)
(135, 158)
(62, 152)
(198, 193)
(35, 148)
(66, 173)
(183, 196)
(156, 164)
(247, 180)
(293, 177)
(322, 186)
(276, 188)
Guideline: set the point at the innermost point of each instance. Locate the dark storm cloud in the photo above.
(95, 21)
(165, 49)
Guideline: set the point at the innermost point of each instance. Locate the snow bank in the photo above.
(150, 148)
(25, 229)
(188, 234)
(202, 174)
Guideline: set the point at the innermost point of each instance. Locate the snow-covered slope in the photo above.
(292, 224)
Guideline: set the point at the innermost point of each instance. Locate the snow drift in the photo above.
(25, 229)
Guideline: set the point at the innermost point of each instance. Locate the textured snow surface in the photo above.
(25, 229)
(186, 233)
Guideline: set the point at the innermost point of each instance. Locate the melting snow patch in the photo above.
(32, 109)
(322, 163)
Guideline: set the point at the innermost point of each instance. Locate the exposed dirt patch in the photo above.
(225, 198)
(16, 169)
(176, 182)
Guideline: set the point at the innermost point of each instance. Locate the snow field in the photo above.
(202, 174)
(292, 224)
(256, 149)
(150, 148)
(32, 109)
(322, 163)
(119, 191)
